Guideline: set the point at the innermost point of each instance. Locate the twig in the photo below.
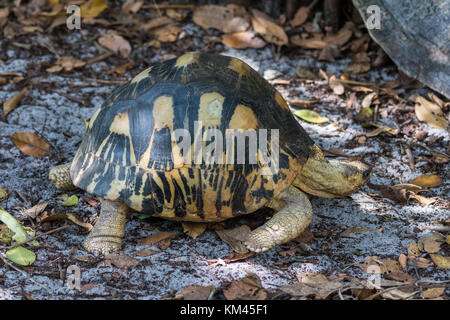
(37, 237)
(24, 274)
(106, 81)
(410, 157)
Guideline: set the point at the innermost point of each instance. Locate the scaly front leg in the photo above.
(108, 232)
(294, 215)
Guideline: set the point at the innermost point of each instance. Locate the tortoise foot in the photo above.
(259, 240)
(99, 245)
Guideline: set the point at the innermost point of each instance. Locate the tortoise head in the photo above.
(332, 178)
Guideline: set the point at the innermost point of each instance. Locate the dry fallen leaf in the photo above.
(155, 23)
(36, 210)
(413, 249)
(317, 285)
(132, 6)
(145, 253)
(402, 259)
(347, 233)
(121, 260)
(69, 216)
(427, 181)
(196, 292)
(194, 229)
(66, 63)
(31, 144)
(431, 244)
(227, 19)
(441, 261)
(248, 288)
(432, 293)
(268, 29)
(335, 85)
(359, 67)
(4, 194)
(301, 15)
(420, 262)
(235, 237)
(116, 44)
(93, 8)
(155, 238)
(430, 113)
(242, 40)
(10, 104)
(167, 33)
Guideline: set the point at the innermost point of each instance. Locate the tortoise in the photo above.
(129, 159)
(415, 35)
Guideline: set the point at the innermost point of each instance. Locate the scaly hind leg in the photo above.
(108, 232)
(59, 176)
(294, 215)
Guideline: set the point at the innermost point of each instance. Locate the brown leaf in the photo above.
(145, 253)
(121, 260)
(132, 6)
(355, 229)
(402, 259)
(441, 261)
(432, 293)
(420, 262)
(156, 22)
(300, 16)
(372, 266)
(116, 43)
(308, 43)
(167, 33)
(12, 103)
(236, 256)
(317, 285)
(235, 237)
(66, 63)
(413, 249)
(340, 38)
(335, 85)
(194, 229)
(36, 210)
(359, 67)
(4, 194)
(427, 181)
(68, 216)
(155, 238)
(196, 292)
(248, 288)
(268, 29)
(31, 144)
(431, 244)
(242, 40)
(227, 19)
(431, 113)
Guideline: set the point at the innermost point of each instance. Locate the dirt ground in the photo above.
(56, 105)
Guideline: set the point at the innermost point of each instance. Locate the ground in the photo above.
(56, 105)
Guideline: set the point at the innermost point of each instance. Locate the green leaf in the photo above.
(310, 116)
(20, 234)
(21, 255)
(142, 215)
(365, 114)
(69, 201)
(357, 251)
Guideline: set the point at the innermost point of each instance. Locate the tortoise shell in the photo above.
(127, 153)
